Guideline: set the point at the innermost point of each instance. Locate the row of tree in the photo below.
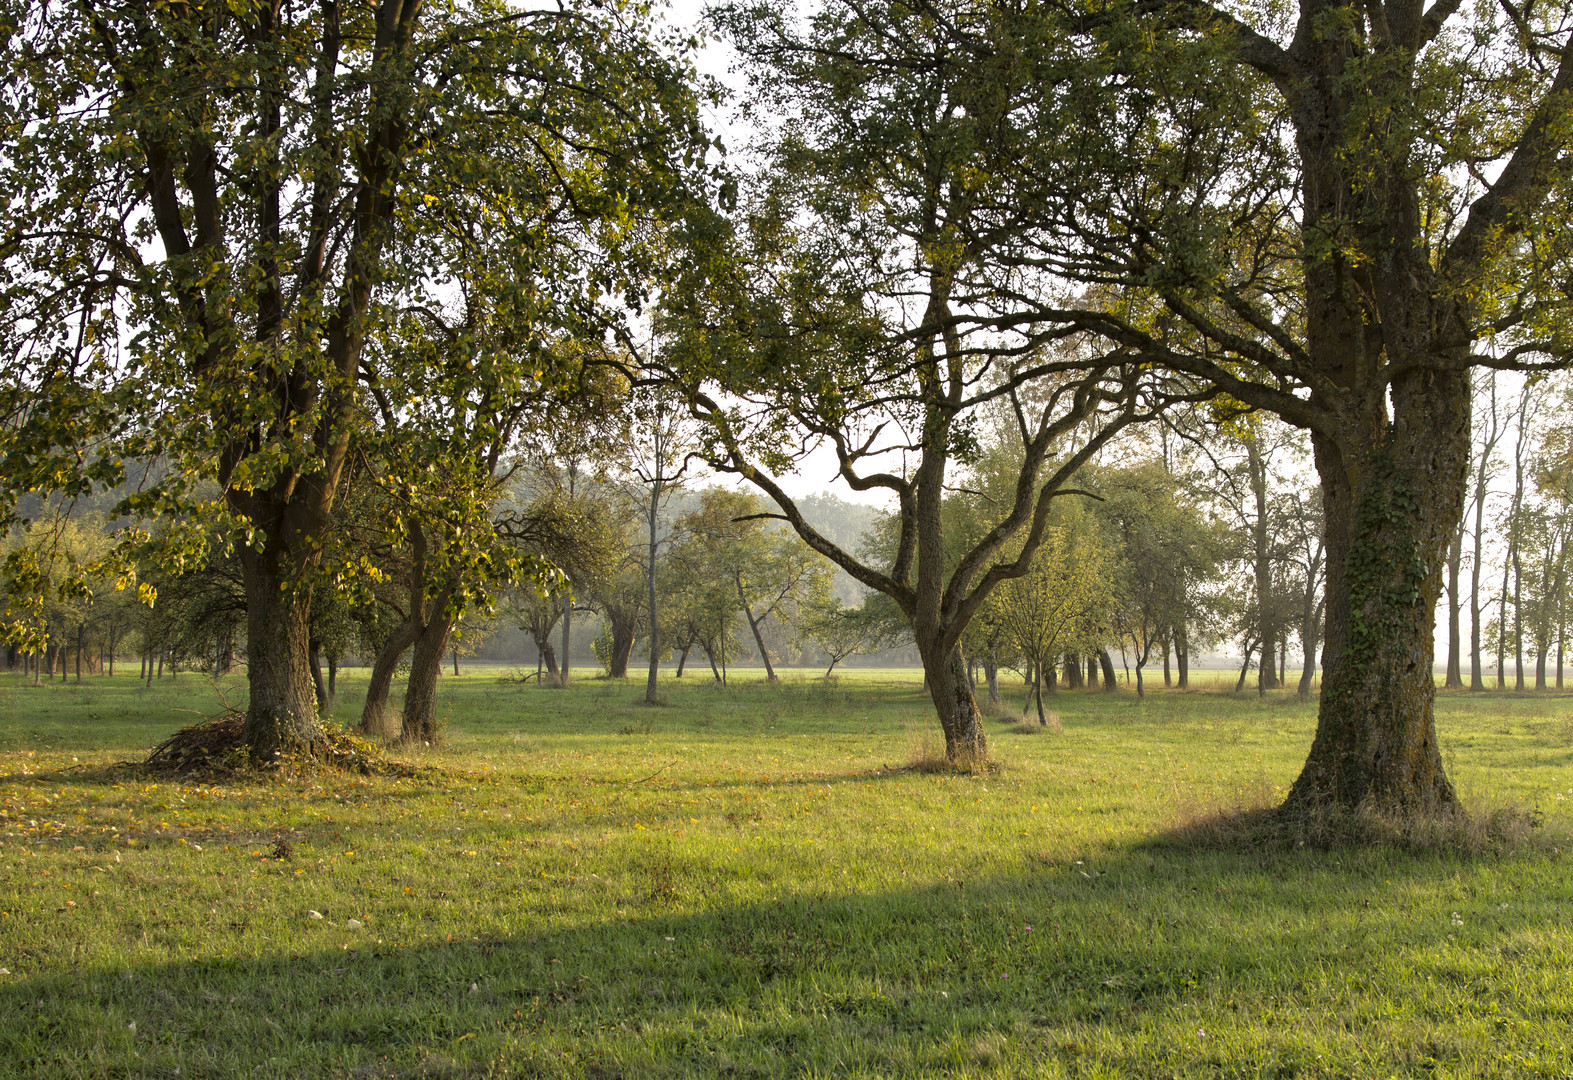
(305, 283)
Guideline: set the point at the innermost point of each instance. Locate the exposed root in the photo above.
(1255, 823)
(216, 749)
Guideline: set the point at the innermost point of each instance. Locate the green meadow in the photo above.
(764, 881)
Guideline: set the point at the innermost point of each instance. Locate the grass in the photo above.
(751, 882)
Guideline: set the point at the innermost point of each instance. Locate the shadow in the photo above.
(1158, 961)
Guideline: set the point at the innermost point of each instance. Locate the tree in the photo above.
(841, 631)
(1054, 607)
(660, 436)
(1161, 544)
(1320, 212)
(866, 304)
(209, 205)
(1482, 463)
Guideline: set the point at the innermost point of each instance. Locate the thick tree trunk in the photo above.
(1390, 519)
(1182, 658)
(374, 717)
(281, 718)
(959, 719)
(420, 694)
(682, 660)
(1072, 672)
(625, 629)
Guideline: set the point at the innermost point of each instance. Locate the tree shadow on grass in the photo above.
(1155, 961)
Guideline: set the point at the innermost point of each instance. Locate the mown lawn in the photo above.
(750, 882)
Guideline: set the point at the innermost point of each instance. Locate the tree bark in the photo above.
(1390, 516)
(420, 694)
(959, 719)
(318, 683)
(1262, 564)
(753, 624)
(1455, 558)
(655, 627)
(1182, 658)
(374, 718)
(281, 718)
(567, 638)
(1107, 663)
(624, 623)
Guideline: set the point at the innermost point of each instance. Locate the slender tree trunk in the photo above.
(710, 655)
(319, 684)
(655, 626)
(1455, 558)
(1308, 635)
(1261, 540)
(682, 660)
(1518, 620)
(333, 679)
(1182, 657)
(753, 624)
(567, 639)
(81, 634)
(991, 676)
(455, 663)
(1245, 667)
(1168, 679)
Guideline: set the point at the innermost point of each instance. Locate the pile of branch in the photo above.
(217, 748)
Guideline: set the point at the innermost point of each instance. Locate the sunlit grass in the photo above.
(752, 882)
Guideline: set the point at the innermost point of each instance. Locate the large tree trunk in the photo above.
(420, 694)
(625, 629)
(1390, 517)
(1072, 672)
(281, 718)
(959, 719)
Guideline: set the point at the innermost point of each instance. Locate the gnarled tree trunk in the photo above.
(1390, 518)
